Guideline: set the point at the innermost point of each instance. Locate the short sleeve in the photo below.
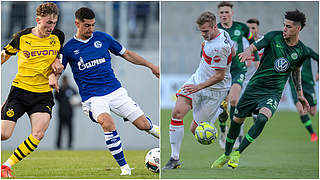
(264, 41)
(115, 47)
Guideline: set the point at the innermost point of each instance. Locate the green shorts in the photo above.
(251, 101)
(238, 77)
(308, 93)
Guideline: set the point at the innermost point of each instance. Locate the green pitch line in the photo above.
(282, 151)
(97, 164)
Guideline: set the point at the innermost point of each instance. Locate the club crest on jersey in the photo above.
(76, 51)
(281, 65)
(97, 44)
(237, 33)
(52, 41)
(294, 56)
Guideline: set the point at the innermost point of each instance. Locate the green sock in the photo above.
(307, 123)
(232, 136)
(232, 109)
(253, 132)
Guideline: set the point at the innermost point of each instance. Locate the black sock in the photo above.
(307, 123)
(253, 132)
(232, 136)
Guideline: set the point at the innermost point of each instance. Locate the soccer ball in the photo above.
(206, 133)
(152, 160)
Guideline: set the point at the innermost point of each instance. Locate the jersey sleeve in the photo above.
(13, 47)
(220, 60)
(313, 54)
(115, 47)
(64, 55)
(264, 41)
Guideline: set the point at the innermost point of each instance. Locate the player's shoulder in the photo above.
(60, 34)
(23, 32)
(99, 34)
(242, 25)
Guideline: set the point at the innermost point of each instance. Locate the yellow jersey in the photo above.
(35, 56)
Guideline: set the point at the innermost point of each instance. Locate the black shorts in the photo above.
(20, 101)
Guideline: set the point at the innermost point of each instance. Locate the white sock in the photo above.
(176, 133)
(7, 164)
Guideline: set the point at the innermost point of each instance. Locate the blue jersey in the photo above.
(90, 63)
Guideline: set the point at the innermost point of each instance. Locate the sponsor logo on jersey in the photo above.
(294, 56)
(237, 32)
(29, 54)
(97, 44)
(76, 51)
(82, 65)
(281, 65)
(10, 113)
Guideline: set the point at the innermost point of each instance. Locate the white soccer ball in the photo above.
(152, 160)
(206, 133)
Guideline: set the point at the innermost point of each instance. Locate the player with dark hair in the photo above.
(206, 88)
(283, 55)
(237, 31)
(308, 92)
(88, 54)
(37, 49)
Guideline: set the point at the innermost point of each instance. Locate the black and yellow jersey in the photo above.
(35, 56)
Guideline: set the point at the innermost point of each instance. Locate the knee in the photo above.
(261, 119)
(177, 114)
(313, 110)
(38, 134)
(5, 136)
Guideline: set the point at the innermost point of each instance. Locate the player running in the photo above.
(206, 88)
(237, 31)
(37, 49)
(88, 54)
(308, 92)
(283, 55)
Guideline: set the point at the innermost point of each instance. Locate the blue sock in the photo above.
(114, 145)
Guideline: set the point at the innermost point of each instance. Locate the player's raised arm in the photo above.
(136, 59)
(296, 77)
(4, 56)
(246, 54)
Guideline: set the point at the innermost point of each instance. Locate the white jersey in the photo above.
(215, 55)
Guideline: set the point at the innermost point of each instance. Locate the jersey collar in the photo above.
(84, 41)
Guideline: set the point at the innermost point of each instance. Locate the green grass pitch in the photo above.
(76, 164)
(283, 150)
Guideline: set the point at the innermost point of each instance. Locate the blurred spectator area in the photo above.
(181, 40)
(134, 24)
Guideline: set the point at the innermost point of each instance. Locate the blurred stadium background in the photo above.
(136, 26)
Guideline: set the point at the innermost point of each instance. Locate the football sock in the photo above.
(114, 145)
(232, 136)
(154, 129)
(253, 132)
(232, 109)
(307, 123)
(223, 117)
(24, 149)
(176, 133)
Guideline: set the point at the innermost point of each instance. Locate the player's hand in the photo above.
(53, 82)
(245, 56)
(155, 70)
(190, 88)
(317, 76)
(57, 66)
(305, 104)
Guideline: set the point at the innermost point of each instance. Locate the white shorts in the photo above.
(118, 102)
(205, 103)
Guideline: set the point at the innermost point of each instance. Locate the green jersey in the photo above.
(236, 32)
(306, 71)
(276, 64)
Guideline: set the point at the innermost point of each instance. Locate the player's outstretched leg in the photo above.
(234, 159)
(24, 149)
(223, 117)
(154, 129)
(172, 164)
(305, 119)
(221, 161)
(115, 147)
